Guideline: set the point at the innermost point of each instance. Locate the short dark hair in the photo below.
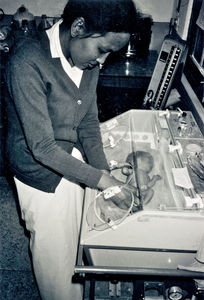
(102, 16)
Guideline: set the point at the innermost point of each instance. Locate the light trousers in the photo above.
(53, 220)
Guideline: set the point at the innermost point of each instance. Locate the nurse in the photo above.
(53, 144)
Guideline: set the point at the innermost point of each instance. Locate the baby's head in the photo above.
(141, 160)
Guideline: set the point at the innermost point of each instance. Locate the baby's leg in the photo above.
(147, 196)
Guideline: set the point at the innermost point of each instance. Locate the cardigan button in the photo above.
(79, 102)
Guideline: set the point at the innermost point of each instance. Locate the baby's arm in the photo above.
(154, 179)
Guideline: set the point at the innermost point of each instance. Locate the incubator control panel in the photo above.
(183, 125)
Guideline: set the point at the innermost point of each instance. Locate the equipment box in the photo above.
(165, 153)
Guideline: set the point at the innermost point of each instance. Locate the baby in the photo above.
(142, 163)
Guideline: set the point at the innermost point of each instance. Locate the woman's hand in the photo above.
(123, 199)
(107, 181)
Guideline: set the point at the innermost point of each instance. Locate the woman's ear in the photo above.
(78, 27)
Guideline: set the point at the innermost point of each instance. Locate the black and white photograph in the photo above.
(102, 150)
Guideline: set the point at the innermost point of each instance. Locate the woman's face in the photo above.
(87, 52)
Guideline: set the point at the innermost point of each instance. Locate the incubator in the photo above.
(160, 227)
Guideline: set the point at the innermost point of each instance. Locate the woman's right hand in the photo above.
(107, 181)
(122, 199)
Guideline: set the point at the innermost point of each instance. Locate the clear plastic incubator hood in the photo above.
(162, 154)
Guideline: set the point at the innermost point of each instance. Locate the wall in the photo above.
(161, 10)
(52, 8)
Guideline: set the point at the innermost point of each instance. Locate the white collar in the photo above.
(55, 46)
(56, 51)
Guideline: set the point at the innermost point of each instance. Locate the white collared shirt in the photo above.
(56, 51)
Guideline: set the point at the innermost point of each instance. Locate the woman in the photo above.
(52, 123)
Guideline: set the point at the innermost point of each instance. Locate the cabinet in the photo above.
(123, 83)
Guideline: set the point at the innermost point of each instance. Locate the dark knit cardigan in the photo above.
(47, 116)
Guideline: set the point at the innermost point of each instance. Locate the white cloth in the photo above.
(53, 220)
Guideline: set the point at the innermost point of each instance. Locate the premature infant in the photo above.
(142, 163)
(137, 167)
